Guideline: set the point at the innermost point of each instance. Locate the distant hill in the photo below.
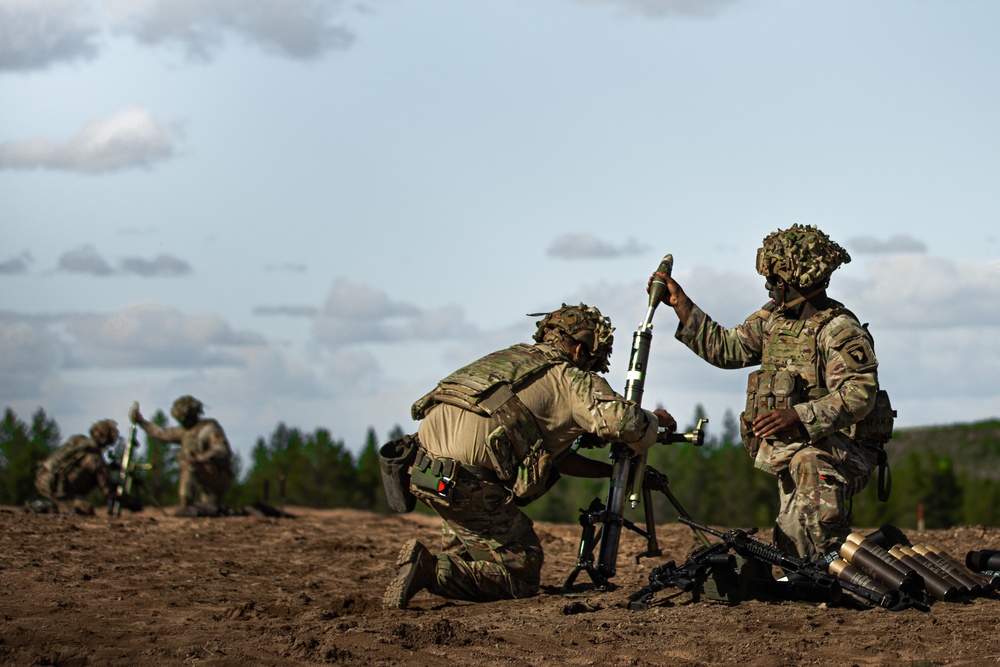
(974, 449)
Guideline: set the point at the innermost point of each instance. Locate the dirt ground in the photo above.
(150, 589)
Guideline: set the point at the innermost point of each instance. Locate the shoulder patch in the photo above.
(859, 355)
(853, 342)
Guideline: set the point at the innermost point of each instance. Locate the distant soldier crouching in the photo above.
(77, 468)
(205, 460)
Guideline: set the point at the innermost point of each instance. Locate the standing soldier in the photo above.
(817, 380)
(496, 435)
(206, 458)
(74, 470)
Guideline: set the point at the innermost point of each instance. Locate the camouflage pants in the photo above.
(63, 494)
(491, 551)
(212, 481)
(814, 490)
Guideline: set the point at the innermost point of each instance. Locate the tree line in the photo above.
(715, 483)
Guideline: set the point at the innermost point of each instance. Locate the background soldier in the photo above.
(497, 434)
(817, 379)
(205, 460)
(74, 470)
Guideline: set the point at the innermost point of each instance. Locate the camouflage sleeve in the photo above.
(212, 443)
(175, 434)
(102, 476)
(737, 347)
(607, 414)
(847, 359)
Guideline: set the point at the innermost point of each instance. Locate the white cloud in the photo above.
(29, 355)
(149, 335)
(162, 265)
(292, 28)
(900, 243)
(87, 260)
(923, 292)
(362, 314)
(16, 265)
(586, 246)
(130, 138)
(286, 311)
(36, 33)
(659, 8)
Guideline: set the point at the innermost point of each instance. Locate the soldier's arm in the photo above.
(103, 476)
(213, 445)
(737, 347)
(598, 409)
(851, 377)
(174, 434)
(576, 465)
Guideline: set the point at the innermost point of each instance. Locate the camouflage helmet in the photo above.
(584, 324)
(185, 407)
(104, 432)
(801, 255)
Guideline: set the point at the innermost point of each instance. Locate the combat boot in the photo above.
(417, 571)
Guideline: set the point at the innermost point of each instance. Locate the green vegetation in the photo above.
(953, 471)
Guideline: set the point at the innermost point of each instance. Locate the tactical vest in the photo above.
(59, 471)
(790, 371)
(486, 387)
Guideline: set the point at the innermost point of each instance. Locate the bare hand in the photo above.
(134, 415)
(676, 299)
(665, 420)
(773, 421)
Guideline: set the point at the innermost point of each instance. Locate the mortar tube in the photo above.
(936, 569)
(936, 587)
(958, 573)
(874, 567)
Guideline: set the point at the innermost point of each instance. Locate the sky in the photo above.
(309, 211)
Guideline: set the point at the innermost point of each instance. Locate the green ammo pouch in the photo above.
(433, 476)
(395, 458)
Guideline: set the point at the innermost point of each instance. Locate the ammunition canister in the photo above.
(882, 552)
(936, 587)
(986, 582)
(876, 568)
(989, 578)
(933, 567)
(851, 574)
(957, 572)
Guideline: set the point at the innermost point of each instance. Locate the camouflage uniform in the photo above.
(77, 468)
(825, 368)
(206, 457)
(490, 549)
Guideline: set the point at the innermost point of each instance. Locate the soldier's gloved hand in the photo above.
(134, 415)
(665, 420)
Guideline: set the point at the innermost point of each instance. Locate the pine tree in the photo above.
(21, 450)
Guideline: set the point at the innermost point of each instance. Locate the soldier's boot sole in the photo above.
(417, 569)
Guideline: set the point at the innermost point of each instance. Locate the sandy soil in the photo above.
(150, 589)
